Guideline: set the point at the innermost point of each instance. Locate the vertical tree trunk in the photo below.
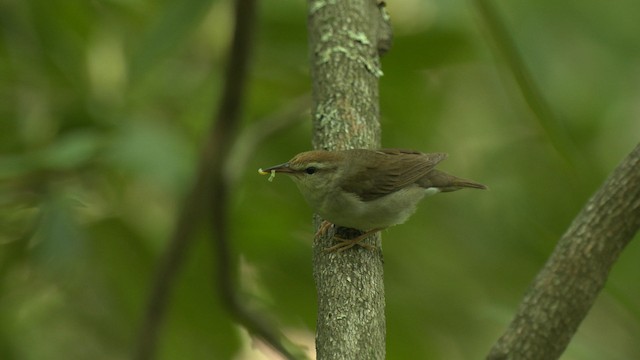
(344, 40)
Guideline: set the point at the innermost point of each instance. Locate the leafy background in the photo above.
(104, 106)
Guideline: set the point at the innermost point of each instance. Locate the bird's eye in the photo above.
(310, 170)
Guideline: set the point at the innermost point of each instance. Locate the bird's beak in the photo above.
(282, 168)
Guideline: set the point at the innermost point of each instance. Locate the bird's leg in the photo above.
(344, 244)
(323, 228)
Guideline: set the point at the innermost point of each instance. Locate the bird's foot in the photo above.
(323, 229)
(344, 244)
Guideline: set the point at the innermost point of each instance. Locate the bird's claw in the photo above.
(344, 244)
(323, 229)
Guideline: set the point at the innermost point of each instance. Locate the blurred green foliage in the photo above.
(104, 106)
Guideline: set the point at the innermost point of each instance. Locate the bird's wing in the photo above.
(395, 169)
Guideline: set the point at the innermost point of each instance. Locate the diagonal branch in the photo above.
(566, 288)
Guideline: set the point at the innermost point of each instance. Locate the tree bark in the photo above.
(566, 288)
(345, 39)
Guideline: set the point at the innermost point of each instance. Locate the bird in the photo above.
(364, 189)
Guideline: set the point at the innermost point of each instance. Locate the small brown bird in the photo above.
(367, 190)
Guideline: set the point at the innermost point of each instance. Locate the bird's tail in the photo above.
(446, 182)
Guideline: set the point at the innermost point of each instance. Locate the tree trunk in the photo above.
(566, 288)
(345, 38)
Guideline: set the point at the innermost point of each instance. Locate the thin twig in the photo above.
(167, 269)
(210, 193)
(531, 93)
(222, 138)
